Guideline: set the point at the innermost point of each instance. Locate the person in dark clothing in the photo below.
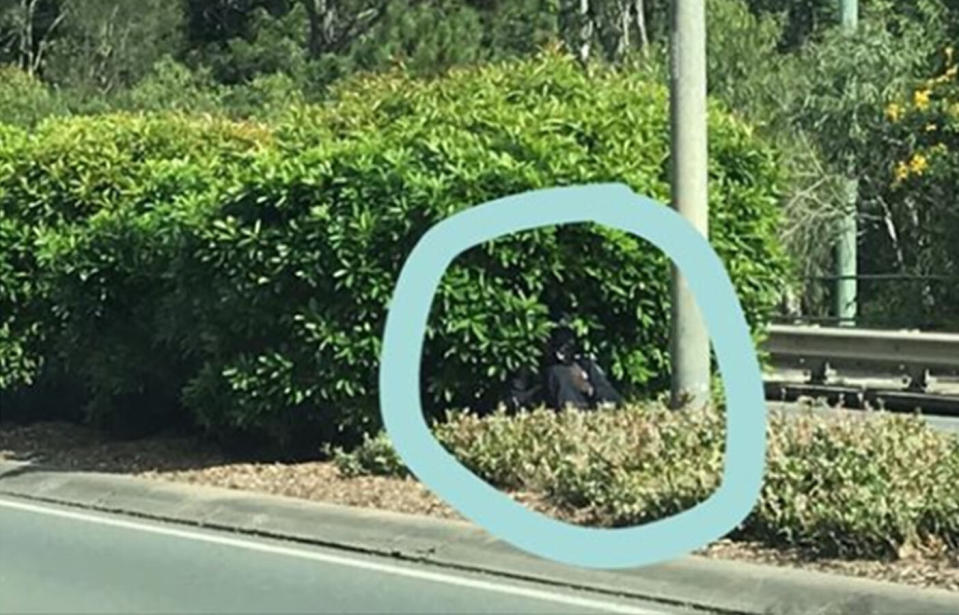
(525, 390)
(566, 378)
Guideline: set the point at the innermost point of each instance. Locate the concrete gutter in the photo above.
(711, 585)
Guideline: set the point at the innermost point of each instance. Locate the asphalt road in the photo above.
(59, 560)
(948, 424)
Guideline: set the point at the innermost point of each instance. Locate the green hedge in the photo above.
(243, 271)
(89, 211)
(836, 485)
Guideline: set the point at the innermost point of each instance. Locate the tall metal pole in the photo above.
(689, 342)
(846, 253)
(849, 14)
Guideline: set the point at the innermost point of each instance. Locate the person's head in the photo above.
(563, 344)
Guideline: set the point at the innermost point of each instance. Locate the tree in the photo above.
(27, 29)
(335, 24)
(513, 28)
(108, 45)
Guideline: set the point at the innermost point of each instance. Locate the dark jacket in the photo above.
(574, 381)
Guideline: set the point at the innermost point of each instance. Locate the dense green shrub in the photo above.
(425, 148)
(88, 236)
(249, 268)
(839, 485)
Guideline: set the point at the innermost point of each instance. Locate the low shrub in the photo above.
(842, 485)
(375, 456)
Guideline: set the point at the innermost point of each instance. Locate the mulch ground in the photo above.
(186, 460)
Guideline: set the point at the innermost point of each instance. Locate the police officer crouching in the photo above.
(566, 378)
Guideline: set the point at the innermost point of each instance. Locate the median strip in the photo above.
(354, 479)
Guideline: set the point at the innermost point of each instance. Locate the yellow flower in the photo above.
(930, 127)
(893, 112)
(902, 171)
(921, 99)
(918, 164)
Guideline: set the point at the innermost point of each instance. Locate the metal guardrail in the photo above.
(820, 350)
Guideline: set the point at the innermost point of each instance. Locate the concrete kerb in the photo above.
(713, 585)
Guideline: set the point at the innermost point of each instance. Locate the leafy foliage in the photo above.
(84, 204)
(105, 46)
(844, 485)
(25, 100)
(249, 267)
(911, 175)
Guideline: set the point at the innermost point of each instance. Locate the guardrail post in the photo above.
(919, 379)
(821, 372)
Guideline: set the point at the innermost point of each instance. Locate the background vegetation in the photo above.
(817, 94)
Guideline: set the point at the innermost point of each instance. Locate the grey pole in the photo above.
(846, 300)
(849, 14)
(689, 340)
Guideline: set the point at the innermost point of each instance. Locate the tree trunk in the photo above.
(321, 15)
(586, 25)
(618, 22)
(27, 10)
(624, 24)
(31, 47)
(332, 28)
(893, 235)
(639, 13)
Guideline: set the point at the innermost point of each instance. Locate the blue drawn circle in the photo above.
(612, 205)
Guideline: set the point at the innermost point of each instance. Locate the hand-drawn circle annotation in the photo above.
(612, 205)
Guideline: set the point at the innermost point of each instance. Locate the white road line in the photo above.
(609, 607)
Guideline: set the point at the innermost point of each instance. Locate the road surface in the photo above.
(57, 560)
(945, 424)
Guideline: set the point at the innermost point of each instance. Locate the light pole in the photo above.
(846, 300)
(689, 339)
